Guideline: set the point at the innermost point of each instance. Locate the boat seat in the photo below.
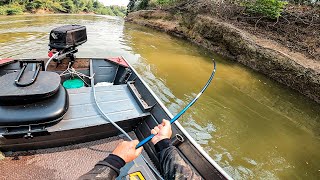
(45, 86)
(42, 102)
(42, 112)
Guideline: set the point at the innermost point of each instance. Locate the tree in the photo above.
(89, 6)
(69, 6)
(66, 6)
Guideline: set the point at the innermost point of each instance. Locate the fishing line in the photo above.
(113, 123)
(174, 119)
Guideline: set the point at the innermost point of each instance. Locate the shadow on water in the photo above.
(252, 126)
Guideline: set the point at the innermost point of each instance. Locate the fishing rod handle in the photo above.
(143, 142)
(146, 140)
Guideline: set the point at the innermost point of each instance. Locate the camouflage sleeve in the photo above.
(108, 169)
(173, 166)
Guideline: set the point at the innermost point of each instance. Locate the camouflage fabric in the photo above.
(173, 166)
(100, 172)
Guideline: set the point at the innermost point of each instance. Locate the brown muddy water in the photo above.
(252, 126)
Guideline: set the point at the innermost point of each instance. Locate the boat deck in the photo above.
(69, 162)
(83, 120)
(116, 102)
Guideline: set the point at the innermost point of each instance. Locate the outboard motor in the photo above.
(65, 39)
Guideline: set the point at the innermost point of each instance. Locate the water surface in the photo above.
(252, 126)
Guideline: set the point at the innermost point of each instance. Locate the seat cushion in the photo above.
(42, 112)
(46, 85)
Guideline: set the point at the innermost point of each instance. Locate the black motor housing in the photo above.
(68, 36)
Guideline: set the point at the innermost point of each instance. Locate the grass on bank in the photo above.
(16, 7)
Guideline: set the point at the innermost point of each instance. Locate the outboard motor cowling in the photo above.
(68, 36)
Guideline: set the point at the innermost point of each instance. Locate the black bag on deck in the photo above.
(67, 36)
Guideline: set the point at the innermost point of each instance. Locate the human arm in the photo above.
(110, 167)
(173, 166)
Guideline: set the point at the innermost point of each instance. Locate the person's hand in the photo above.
(162, 131)
(127, 150)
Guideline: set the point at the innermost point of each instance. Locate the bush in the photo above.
(69, 6)
(164, 2)
(30, 6)
(3, 11)
(104, 11)
(135, 5)
(47, 5)
(143, 4)
(269, 8)
(58, 7)
(112, 11)
(14, 11)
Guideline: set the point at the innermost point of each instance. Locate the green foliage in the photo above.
(57, 7)
(112, 11)
(269, 8)
(3, 10)
(165, 2)
(89, 7)
(45, 5)
(14, 11)
(135, 5)
(118, 11)
(143, 4)
(11, 7)
(69, 6)
(104, 11)
(31, 6)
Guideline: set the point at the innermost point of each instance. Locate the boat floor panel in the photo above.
(69, 162)
(116, 102)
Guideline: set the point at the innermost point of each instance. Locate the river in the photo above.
(252, 126)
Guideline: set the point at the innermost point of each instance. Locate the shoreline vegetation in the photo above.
(18, 7)
(280, 39)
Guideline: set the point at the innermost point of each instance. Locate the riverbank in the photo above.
(293, 69)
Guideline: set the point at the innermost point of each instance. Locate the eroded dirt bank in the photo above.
(268, 57)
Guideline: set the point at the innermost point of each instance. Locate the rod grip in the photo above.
(143, 142)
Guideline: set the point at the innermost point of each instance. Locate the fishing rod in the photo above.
(175, 118)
